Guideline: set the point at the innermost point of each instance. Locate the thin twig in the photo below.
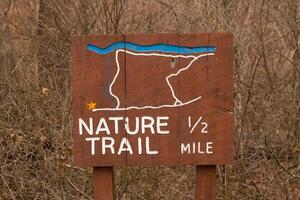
(76, 188)
(13, 71)
(5, 183)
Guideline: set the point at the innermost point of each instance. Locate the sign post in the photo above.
(103, 180)
(206, 182)
(148, 100)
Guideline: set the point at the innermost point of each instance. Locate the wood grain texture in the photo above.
(142, 82)
(103, 181)
(206, 182)
(89, 80)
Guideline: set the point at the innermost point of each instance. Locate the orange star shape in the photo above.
(91, 105)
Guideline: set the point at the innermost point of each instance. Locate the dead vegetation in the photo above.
(35, 95)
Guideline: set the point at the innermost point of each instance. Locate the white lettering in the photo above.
(116, 123)
(125, 146)
(140, 147)
(136, 126)
(93, 139)
(102, 126)
(209, 147)
(159, 124)
(149, 125)
(197, 147)
(106, 145)
(89, 128)
(148, 151)
(185, 148)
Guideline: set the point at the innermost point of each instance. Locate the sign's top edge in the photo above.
(155, 34)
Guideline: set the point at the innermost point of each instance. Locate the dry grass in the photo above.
(35, 116)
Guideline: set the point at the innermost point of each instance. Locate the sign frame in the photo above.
(178, 125)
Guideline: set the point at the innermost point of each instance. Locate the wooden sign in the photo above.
(145, 100)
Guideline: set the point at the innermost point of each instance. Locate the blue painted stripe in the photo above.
(165, 48)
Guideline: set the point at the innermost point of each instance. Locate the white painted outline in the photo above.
(177, 103)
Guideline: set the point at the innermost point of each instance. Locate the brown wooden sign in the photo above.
(161, 99)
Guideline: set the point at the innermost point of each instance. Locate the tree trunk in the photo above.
(43, 15)
(7, 59)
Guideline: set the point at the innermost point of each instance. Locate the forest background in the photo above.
(36, 153)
